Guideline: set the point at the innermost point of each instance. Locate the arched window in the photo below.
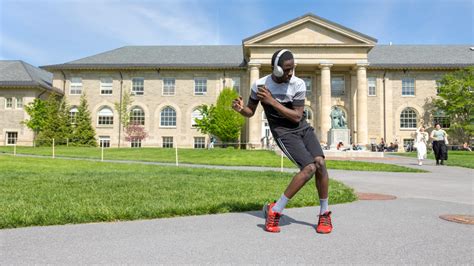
(73, 115)
(408, 118)
(196, 114)
(168, 117)
(105, 116)
(137, 116)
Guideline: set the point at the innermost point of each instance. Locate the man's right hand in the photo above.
(238, 104)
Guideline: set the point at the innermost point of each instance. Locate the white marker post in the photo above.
(281, 162)
(176, 153)
(14, 149)
(53, 149)
(102, 153)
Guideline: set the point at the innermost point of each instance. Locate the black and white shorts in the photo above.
(300, 147)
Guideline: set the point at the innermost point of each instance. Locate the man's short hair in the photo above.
(284, 57)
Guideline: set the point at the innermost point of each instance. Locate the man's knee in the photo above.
(319, 162)
(309, 170)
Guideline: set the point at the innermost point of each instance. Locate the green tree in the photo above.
(123, 109)
(221, 120)
(57, 125)
(83, 133)
(206, 124)
(37, 112)
(456, 99)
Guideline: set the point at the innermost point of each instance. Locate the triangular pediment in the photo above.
(310, 30)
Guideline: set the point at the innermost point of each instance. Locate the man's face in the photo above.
(438, 127)
(288, 68)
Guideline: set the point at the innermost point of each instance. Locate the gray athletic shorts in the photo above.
(300, 147)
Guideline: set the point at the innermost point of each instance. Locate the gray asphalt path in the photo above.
(407, 230)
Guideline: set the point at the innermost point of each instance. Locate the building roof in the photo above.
(421, 56)
(231, 56)
(202, 56)
(17, 73)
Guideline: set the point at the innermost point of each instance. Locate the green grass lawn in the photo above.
(455, 158)
(218, 156)
(42, 191)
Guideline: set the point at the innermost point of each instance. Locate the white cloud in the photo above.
(145, 22)
(14, 49)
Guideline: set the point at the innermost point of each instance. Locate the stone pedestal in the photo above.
(338, 135)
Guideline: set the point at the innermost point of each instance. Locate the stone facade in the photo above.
(12, 116)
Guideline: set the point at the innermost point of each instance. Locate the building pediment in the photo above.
(309, 30)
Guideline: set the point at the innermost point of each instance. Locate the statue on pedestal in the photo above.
(338, 118)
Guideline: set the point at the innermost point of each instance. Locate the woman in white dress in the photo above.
(420, 143)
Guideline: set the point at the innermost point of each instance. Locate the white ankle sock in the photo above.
(280, 204)
(324, 205)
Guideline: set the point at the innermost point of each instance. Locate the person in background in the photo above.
(466, 147)
(340, 145)
(440, 139)
(381, 146)
(420, 144)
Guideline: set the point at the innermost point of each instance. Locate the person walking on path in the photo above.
(282, 96)
(440, 139)
(420, 143)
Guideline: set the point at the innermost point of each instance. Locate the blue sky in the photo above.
(43, 32)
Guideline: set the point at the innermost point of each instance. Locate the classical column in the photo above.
(362, 119)
(354, 106)
(325, 101)
(254, 123)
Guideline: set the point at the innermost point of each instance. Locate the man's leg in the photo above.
(299, 180)
(322, 177)
(322, 184)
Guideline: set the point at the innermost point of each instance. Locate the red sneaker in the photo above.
(271, 218)
(324, 223)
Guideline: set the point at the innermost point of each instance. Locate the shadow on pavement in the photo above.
(284, 220)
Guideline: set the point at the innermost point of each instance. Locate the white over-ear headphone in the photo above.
(277, 70)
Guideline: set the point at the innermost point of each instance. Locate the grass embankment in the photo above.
(43, 191)
(218, 156)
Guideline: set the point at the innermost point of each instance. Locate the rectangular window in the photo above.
(8, 103)
(76, 86)
(104, 141)
(372, 86)
(199, 142)
(443, 121)
(309, 85)
(138, 86)
(337, 85)
(106, 86)
(19, 102)
(136, 143)
(236, 84)
(12, 138)
(200, 86)
(408, 87)
(106, 120)
(169, 86)
(167, 142)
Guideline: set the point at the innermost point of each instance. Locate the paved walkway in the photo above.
(402, 231)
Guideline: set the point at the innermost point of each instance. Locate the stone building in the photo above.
(382, 89)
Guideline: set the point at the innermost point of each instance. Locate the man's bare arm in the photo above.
(293, 115)
(247, 111)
